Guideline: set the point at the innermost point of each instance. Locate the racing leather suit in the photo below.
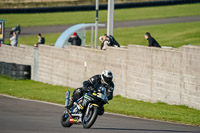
(91, 83)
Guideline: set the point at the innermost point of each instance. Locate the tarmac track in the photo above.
(25, 116)
(60, 28)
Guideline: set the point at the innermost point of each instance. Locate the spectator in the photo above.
(75, 39)
(105, 41)
(14, 39)
(41, 40)
(152, 41)
(108, 41)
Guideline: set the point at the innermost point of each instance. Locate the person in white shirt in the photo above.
(105, 42)
(14, 39)
(108, 40)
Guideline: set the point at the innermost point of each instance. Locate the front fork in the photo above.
(90, 105)
(67, 99)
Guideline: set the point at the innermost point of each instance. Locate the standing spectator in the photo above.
(152, 41)
(14, 39)
(75, 39)
(41, 40)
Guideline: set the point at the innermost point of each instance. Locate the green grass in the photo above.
(158, 111)
(31, 40)
(59, 18)
(174, 35)
(33, 90)
(56, 94)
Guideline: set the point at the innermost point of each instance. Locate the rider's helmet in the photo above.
(107, 76)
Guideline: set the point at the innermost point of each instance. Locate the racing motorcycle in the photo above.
(86, 109)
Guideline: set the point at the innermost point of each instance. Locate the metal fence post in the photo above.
(110, 17)
(96, 24)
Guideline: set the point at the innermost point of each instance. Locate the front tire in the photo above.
(91, 118)
(65, 120)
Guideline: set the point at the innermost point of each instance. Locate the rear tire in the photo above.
(88, 123)
(65, 120)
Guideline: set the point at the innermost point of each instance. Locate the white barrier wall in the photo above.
(142, 73)
(190, 86)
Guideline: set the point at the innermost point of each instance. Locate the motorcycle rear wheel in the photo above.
(92, 116)
(65, 121)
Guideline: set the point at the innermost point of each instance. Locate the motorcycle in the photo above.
(86, 109)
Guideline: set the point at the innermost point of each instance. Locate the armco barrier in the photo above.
(142, 73)
(92, 7)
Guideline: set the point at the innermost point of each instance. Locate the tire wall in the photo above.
(15, 71)
(16, 61)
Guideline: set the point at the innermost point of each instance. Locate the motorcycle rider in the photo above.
(104, 79)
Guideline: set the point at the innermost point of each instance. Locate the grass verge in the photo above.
(173, 35)
(59, 18)
(56, 94)
(33, 90)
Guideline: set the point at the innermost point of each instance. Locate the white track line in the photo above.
(31, 100)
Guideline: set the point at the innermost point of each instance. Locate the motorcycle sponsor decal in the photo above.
(95, 105)
(81, 107)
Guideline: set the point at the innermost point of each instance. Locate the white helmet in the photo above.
(107, 76)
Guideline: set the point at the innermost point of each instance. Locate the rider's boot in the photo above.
(76, 95)
(71, 102)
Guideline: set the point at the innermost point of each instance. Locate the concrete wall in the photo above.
(154, 74)
(142, 73)
(190, 90)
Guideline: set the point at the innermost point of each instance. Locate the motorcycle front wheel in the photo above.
(65, 120)
(89, 120)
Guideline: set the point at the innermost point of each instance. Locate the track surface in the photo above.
(22, 116)
(60, 28)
